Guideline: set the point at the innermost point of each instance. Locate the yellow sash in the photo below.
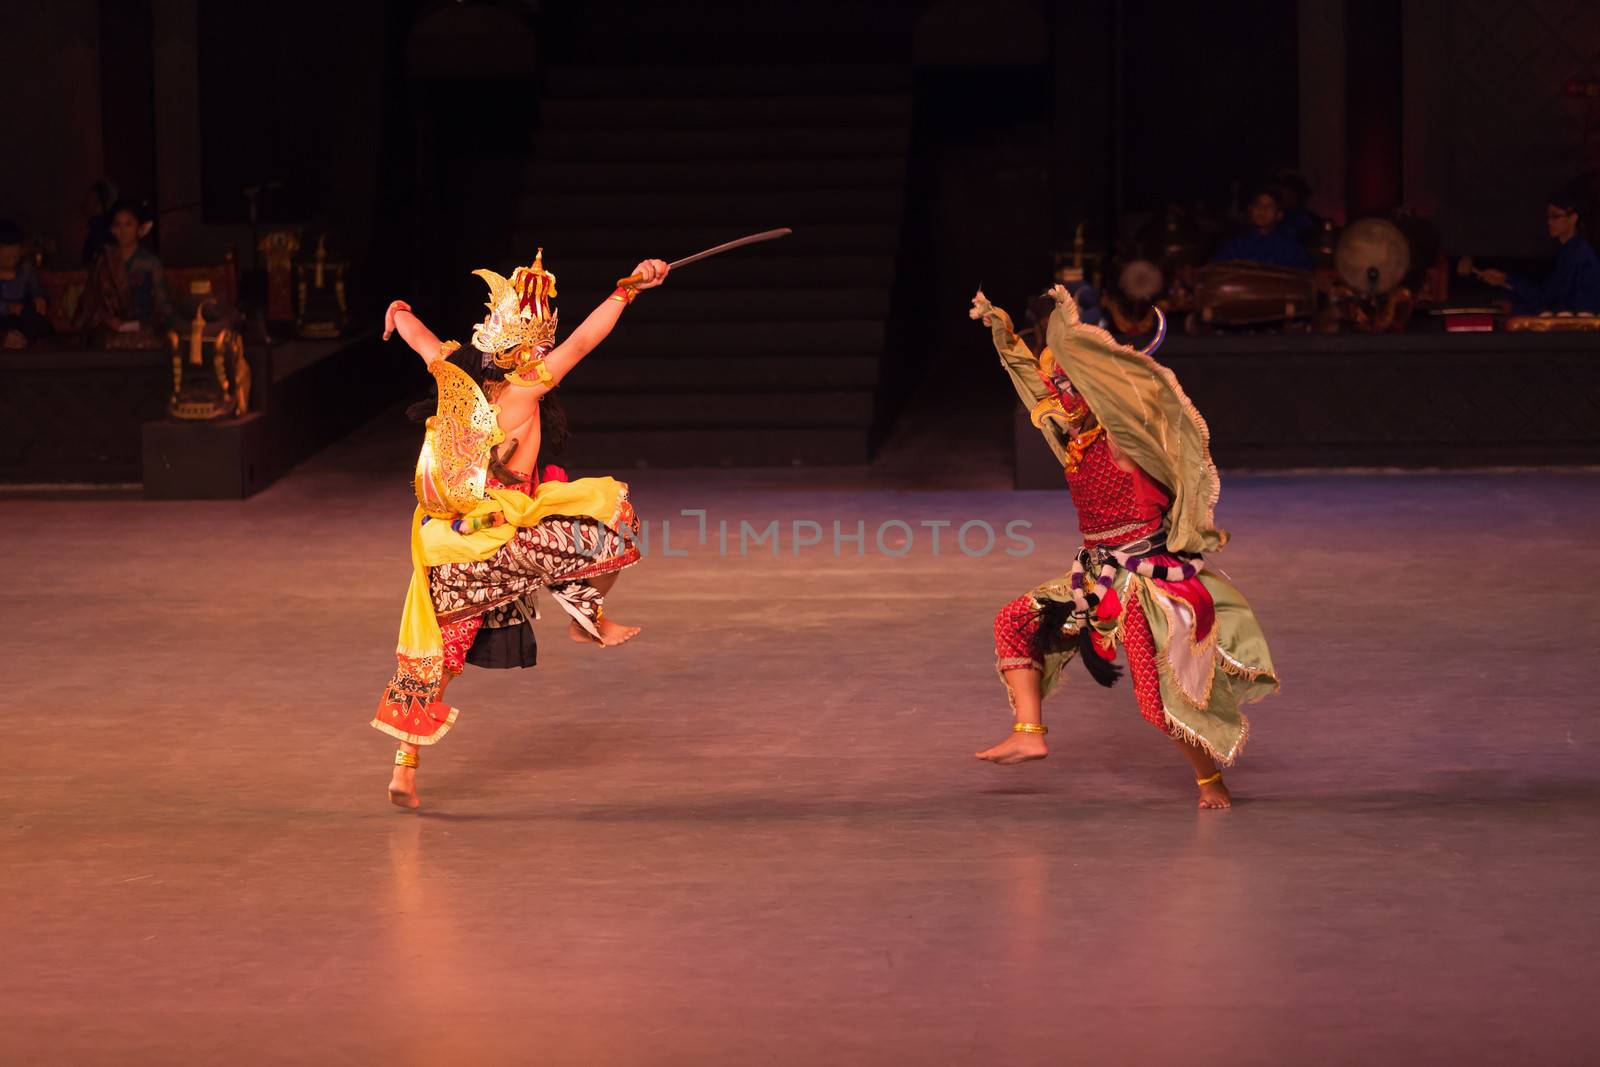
(436, 542)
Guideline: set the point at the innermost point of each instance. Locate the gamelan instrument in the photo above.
(1250, 294)
(1372, 258)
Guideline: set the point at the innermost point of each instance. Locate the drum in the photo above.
(1248, 294)
(1372, 256)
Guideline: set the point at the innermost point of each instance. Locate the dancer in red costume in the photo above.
(1137, 463)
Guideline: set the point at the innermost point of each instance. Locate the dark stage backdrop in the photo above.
(1209, 92)
(307, 100)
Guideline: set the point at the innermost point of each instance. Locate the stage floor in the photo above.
(757, 834)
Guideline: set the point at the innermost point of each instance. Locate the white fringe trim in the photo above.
(1188, 734)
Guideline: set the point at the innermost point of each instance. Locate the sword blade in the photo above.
(726, 246)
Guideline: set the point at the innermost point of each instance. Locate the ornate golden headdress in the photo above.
(521, 325)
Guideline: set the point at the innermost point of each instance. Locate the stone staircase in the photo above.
(769, 355)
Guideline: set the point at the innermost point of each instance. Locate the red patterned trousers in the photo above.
(1018, 621)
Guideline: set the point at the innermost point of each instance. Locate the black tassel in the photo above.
(1048, 638)
(1100, 669)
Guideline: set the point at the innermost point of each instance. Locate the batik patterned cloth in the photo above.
(559, 555)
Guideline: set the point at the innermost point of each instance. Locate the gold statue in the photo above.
(320, 285)
(195, 394)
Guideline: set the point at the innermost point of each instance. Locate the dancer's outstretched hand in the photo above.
(1059, 294)
(981, 309)
(388, 317)
(651, 273)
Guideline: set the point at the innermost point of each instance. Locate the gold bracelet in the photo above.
(623, 294)
(1208, 781)
(1029, 728)
(402, 758)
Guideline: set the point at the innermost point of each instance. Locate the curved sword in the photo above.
(726, 246)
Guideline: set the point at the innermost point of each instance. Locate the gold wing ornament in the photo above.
(453, 466)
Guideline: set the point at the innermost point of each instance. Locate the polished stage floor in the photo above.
(757, 834)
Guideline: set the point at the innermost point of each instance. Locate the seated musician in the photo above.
(1574, 285)
(22, 305)
(1299, 221)
(1265, 242)
(126, 300)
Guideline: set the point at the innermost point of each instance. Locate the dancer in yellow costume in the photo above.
(487, 532)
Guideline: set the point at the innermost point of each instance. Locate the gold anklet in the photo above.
(1207, 781)
(1029, 728)
(402, 758)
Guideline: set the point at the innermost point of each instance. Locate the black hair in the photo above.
(1292, 181)
(1573, 197)
(135, 208)
(10, 233)
(1269, 190)
(552, 413)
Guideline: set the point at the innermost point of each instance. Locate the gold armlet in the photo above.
(1029, 728)
(623, 294)
(448, 348)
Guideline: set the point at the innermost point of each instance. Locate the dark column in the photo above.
(1083, 151)
(127, 96)
(1373, 95)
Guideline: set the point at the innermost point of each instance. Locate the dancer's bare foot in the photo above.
(1018, 748)
(611, 633)
(1215, 795)
(403, 789)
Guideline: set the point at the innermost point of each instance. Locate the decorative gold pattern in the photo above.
(536, 365)
(1114, 532)
(1078, 446)
(1050, 405)
(453, 466)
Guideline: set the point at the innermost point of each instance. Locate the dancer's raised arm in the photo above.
(1023, 367)
(594, 329)
(1015, 355)
(412, 331)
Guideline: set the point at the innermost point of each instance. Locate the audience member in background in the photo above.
(1574, 285)
(1299, 222)
(22, 305)
(126, 301)
(1265, 242)
(98, 201)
